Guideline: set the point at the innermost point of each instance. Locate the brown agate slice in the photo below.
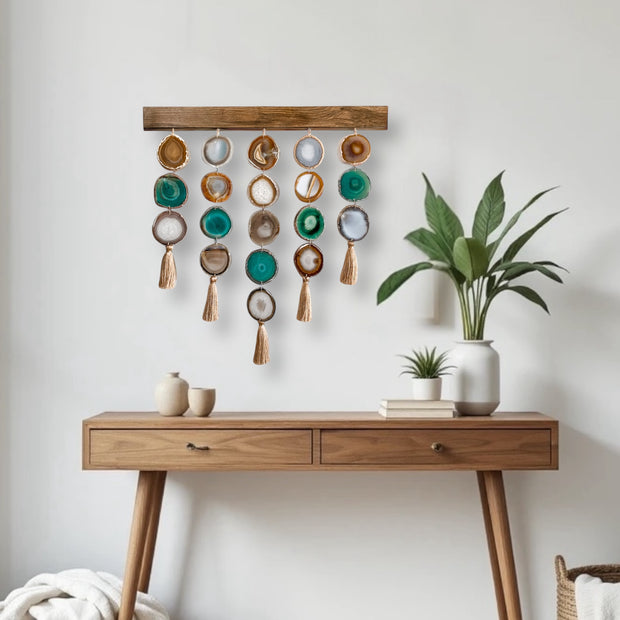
(214, 259)
(354, 149)
(308, 186)
(263, 153)
(308, 260)
(263, 191)
(263, 227)
(216, 187)
(172, 152)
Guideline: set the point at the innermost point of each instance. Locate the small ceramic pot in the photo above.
(201, 400)
(171, 395)
(426, 389)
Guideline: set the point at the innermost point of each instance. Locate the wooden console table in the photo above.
(154, 445)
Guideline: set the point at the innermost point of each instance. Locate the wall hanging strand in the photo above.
(170, 192)
(354, 185)
(215, 222)
(261, 265)
(309, 222)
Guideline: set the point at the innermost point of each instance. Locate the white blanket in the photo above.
(76, 594)
(596, 600)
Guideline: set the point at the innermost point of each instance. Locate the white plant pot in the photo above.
(426, 389)
(171, 395)
(476, 378)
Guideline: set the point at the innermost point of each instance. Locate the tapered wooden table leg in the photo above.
(151, 532)
(495, 512)
(144, 525)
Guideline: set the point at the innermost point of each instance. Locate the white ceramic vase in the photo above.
(426, 389)
(476, 378)
(171, 395)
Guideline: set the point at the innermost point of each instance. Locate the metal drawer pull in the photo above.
(191, 446)
(437, 447)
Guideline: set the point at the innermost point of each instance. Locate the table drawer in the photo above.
(154, 449)
(438, 449)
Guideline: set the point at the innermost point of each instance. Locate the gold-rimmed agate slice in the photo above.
(217, 151)
(308, 260)
(353, 223)
(169, 228)
(216, 187)
(309, 152)
(261, 305)
(263, 191)
(172, 152)
(308, 186)
(215, 259)
(263, 227)
(263, 152)
(354, 149)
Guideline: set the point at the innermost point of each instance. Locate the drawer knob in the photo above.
(191, 446)
(437, 447)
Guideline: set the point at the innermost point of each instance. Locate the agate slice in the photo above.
(263, 153)
(309, 152)
(215, 223)
(216, 187)
(354, 149)
(308, 186)
(263, 191)
(170, 191)
(261, 305)
(353, 223)
(354, 185)
(263, 227)
(172, 152)
(261, 266)
(169, 228)
(215, 259)
(308, 260)
(309, 223)
(217, 151)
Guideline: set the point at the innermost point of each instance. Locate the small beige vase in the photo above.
(171, 395)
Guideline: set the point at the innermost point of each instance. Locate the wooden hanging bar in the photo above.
(265, 117)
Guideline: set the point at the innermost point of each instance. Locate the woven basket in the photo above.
(567, 608)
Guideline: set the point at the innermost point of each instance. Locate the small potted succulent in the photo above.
(426, 368)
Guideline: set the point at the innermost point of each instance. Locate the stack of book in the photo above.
(409, 408)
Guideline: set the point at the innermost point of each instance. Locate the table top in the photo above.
(312, 419)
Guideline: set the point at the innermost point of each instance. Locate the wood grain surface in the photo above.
(266, 117)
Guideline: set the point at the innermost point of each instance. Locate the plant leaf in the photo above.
(470, 257)
(490, 211)
(440, 217)
(529, 294)
(520, 269)
(492, 247)
(398, 278)
(431, 244)
(520, 241)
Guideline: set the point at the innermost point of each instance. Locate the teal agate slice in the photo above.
(354, 185)
(215, 223)
(261, 266)
(309, 223)
(170, 191)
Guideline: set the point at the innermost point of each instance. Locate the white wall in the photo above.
(473, 88)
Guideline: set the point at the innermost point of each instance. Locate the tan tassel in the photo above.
(210, 312)
(168, 271)
(261, 352)
(304, 310)
(348, 275)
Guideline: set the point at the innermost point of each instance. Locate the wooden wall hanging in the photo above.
(261, 265)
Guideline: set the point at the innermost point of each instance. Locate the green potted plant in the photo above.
(426, 369)
(480, 268)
